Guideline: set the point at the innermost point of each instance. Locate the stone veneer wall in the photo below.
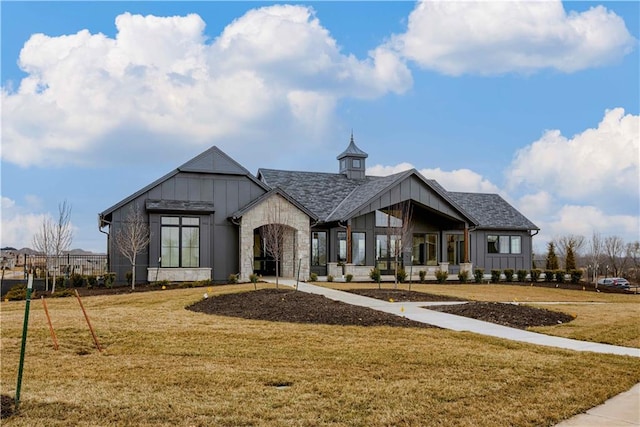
(296, 240)
(178, 274)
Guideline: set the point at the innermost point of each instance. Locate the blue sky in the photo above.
(538, 102)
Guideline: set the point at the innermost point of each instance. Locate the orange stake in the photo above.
(53, 333)
(93, 334)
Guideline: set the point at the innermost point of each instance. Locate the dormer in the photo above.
(352, 161)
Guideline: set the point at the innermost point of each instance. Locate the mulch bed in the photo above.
(281, 305)
(512, 315)
(400, 295)
(6, 406)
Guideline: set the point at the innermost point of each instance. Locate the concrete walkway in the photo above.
(620, 410)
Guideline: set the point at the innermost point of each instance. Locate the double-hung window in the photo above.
(180, 241)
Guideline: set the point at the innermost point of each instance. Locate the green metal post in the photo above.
(24, 339)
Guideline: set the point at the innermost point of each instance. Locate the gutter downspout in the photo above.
(102, 221)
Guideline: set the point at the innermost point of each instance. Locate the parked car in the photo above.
(615, 282)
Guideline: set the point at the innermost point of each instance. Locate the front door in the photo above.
(319, 252)
(263, 264)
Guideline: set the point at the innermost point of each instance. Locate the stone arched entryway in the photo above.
(275, 209)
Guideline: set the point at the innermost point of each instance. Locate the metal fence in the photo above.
(85, 265)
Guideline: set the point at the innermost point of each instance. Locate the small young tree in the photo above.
(403, 234)
(43, 242)
(61, 237)
(132, 238)
(569, 260)
(596, 249)
(274, 231)
(552, 258)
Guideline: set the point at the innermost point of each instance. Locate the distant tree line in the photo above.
(598, 256)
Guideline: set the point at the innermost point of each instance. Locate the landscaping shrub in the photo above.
(549, 275)
(109, 279)
(16, 293)
(129, 277)
(442, 276)
(478, 275)
(374, 274)
(535, 274)
(495, 276)
(508, 274)
(559, 274)
(329, 278)
(92, 281)
(61, 282)
(233, 279)
(401, 275)
(76, 280)
(423, 275)
(576, 276)
(313, 277)
(349, 277)
(463, 276)
(253, 278)
(522, 275)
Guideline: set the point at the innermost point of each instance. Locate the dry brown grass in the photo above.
(164, 365)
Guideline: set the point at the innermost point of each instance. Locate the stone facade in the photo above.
(276, 209)
(178, 274)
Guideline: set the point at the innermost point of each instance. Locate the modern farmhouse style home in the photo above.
(209, 218)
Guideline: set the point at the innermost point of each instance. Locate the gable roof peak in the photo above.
(352, 150)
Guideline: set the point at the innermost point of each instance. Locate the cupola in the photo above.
(352, 161)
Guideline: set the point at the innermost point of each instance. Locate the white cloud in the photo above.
(494, 37)
(598, 166)
(18, 224)
(462, 180)
(563, 220)
(87, 96)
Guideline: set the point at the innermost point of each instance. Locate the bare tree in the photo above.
(133, 237)
(273, 232)
(404, 232)
(614, 249)
(596, 250)
(62, 236)
(43, 242)
(633, 255)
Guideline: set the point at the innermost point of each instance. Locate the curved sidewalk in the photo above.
(416, 311)
(621, 410)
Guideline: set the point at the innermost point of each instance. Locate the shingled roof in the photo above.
(492, 211)
(334, 197)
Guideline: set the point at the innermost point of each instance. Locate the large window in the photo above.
(319, 248)
(504, 244)
(358, 248)
(389, 218)
(387, 251)
(455, 248)
(342, 246)
(180, 241)
(425, 249)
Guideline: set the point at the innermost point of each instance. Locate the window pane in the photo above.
(169, 247)
(382, 219)
(342, 246)
(190, 247)
(515, 245)
(492, 244)
(381, 251)
(319, 248)
(419, 250)
(170, 220)
(432, 249)
(504, 245)
(358, 248)
(191, 221)
(455, 246)
(356, 163)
